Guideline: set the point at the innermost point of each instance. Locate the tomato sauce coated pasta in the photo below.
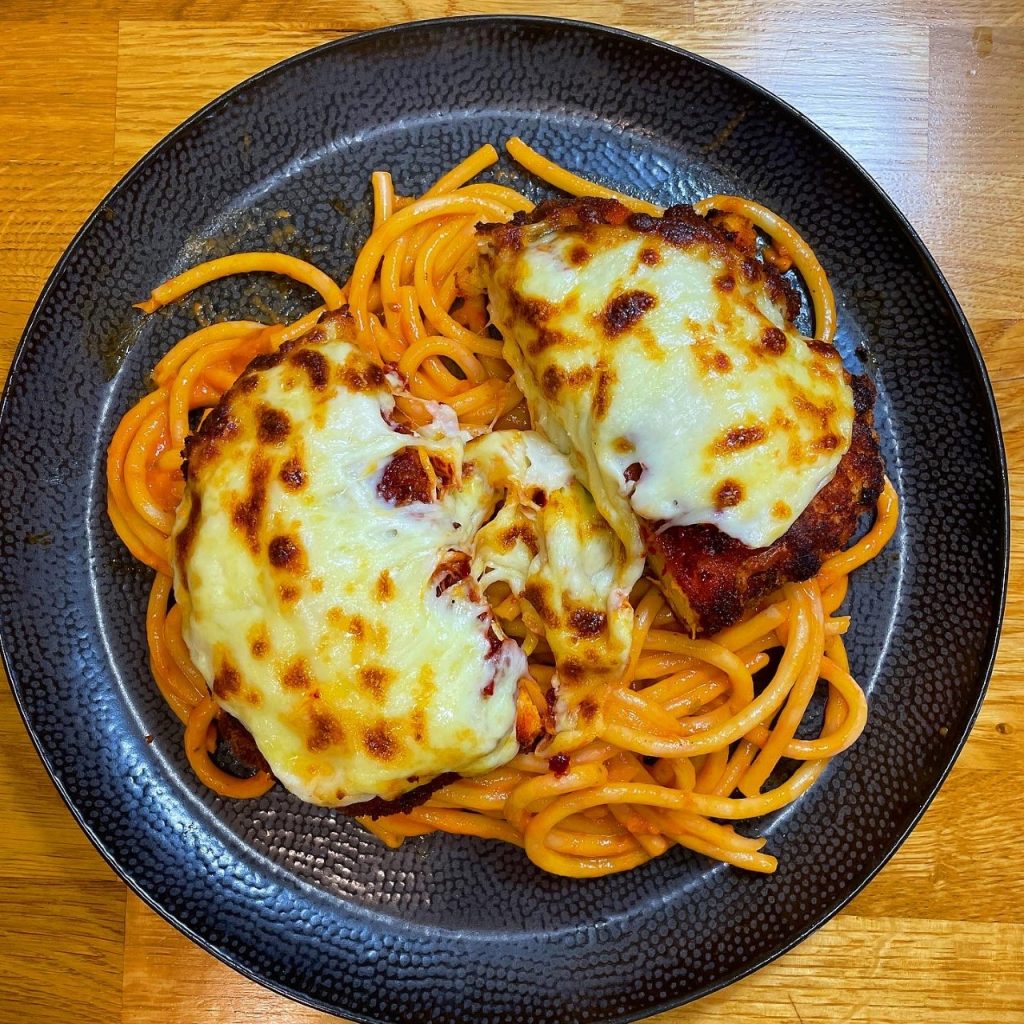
(693, 732)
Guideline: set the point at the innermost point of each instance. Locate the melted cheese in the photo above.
(310, 602)
(635, 353)
(549, 545)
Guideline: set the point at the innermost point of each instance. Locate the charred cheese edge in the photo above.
(310, 602)
(653, 352)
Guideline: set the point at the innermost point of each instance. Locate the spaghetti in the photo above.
(689, 742)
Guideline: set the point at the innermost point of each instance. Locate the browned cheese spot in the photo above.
(273, 425)
(623, 445)
(286, 553)
(511, 535)
(288, 593)
(253, 697)
(248, 383)
(725, 282)
(533, 311)
(529, 724)
(226, 680)
(534, 594)
(642, 222)
(512, 237)
(822, 348)
(268, 360)
(711, 359)
(551, 381)
(380, 743)
(545, 339)
(781, 510)
(296, 676)
(825, 443)
(418, 724)
(384, 589)
(823, 413)
(259, 641)
(774, 341)
(357, 627)
(602, 394)
(736, 439)
(220, 424)
(579, 254)
(625, 311)
(737, 228)
(359, 376)
(588, 709)
(248, 513)
(186, 538)
(324, 731)
(425, 685)
(585, 622)
(292, 475)
(785, 297)
(316, 585)
(571, 670)
(579, 377)
(376, 679)
(650, 257)
(315, 364)
(728, 495)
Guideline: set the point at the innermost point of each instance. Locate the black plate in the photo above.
(452, 929)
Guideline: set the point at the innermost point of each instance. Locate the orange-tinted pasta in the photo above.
(688, 742)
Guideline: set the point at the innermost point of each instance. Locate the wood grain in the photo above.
(965, 66)
(160, 957)
(929, 97)
(887, 977)
(207, 60)
(57, 129)
(61, 950)
(890, 85)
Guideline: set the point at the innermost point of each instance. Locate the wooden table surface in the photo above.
(928, 96)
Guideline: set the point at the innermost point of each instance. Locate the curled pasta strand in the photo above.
(243, 263)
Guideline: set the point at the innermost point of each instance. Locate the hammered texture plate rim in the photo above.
(393, 34)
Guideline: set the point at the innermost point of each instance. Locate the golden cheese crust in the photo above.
(663, 360)
(710, 578)
(680, 226)
(332, 567)
(745, 453)
(309, 549)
